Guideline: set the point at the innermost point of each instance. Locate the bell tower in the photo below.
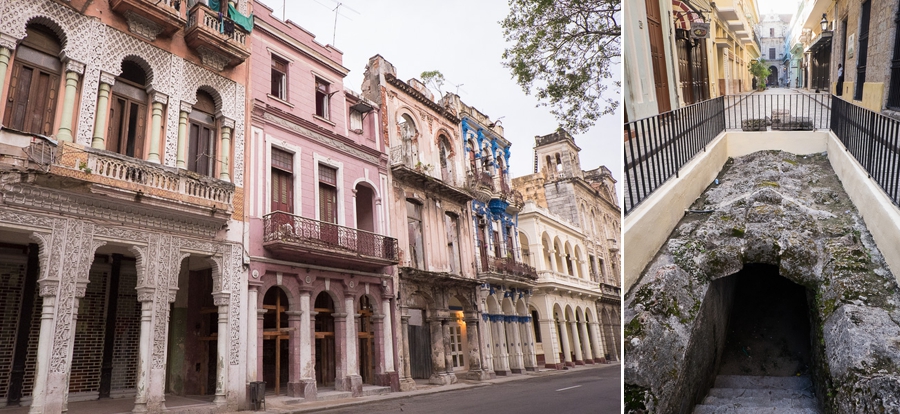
(557, 156)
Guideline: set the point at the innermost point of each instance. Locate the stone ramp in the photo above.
(745, 394)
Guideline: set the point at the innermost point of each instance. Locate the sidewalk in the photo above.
(289, 405)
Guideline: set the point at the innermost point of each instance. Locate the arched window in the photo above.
(128, 112)
(202, 143)
(446, 162)
(470, 146)
(408, 134)
(34, 82)
(559, 166)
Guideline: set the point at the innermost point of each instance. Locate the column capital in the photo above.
(158, 97)
(145, 293)
(185, 107)
(221, 298)
(8, 41)
(294, 315)
(48, 287)
(74, 66)
(107, 78)
(173, 293)
(261, 312)
(227, 122)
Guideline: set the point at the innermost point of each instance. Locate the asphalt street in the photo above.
(586, 390)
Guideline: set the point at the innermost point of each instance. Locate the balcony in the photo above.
(564, 281)
(326, 243)
(150, 18)
(206, 35)
(120, 177)
(611, 293)
(503, 269)
(406, 168)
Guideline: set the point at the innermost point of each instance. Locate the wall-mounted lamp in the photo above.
(824, 22)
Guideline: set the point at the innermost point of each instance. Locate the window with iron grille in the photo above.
(772, 53)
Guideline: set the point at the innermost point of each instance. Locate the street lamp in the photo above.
(824, 22)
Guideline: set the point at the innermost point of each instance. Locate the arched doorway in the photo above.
(772, 80)
(458, 339)
(276, 340)
(193, 332)
(325, 361)
(366, 335)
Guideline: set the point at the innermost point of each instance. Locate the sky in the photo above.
(777, 6)
(463, 40)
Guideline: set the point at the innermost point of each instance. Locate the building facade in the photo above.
(439, 321)
(575, 302)
(122, 202)
(506, 280)
(321, 262)
(772, 31)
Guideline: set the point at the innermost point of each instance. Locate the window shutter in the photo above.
(50, 105)
(113, 133)
(140, 127)
(19, 86)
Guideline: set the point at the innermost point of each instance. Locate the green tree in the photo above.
(434, 79)
(562, 52)
(760, 72)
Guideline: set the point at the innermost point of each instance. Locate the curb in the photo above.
(463, 385)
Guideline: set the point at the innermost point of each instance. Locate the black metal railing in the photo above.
(781, 112)
(873, 139)
(658, 146)
(288, 228)
(503, 265)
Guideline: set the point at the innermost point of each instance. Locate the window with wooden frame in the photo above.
(128, 112)
(414, 229)
(328, 207)
(34, 83)
(322, 98)
(356, 120)
(282, 181)
(279, 78)
(202, 136)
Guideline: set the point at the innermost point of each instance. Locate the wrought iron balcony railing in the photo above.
(503, 265)
(284, 228)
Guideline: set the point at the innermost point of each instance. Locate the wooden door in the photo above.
(683, 47)
(420, 352)
(31, 101)
(366, 337)
(658, 55)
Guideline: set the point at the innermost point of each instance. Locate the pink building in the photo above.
(320, 263)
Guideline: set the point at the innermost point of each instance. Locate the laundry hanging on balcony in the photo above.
(241, 20)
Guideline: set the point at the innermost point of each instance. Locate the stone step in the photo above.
(762, 401)
(333, 395)
(765, 392)
(758, 382)
(369, 390)
(718, 409)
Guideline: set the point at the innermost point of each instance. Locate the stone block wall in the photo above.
(128, 330)
(87, 358)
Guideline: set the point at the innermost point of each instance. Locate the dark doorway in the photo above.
(419, 345)
(276, 340)
(769, 328)
(325, 369)
(773, 76)
(193, 335)
(366, 337)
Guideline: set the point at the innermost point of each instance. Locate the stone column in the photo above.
(353, 380)
(145, 296)
(183, 112)
(221, 300)
(260, 328)
(586, 343)
(501, 353)
(340, 351)
(564, 334)
(599, 355)
(378, 333)
(73, 70)
(106, 82)
(252, 333)
(473, 351)
(448, 356)
(516, 363)
(576, 343)
(406, 381)
(48, 289)
(6, 48)
(487, 352)
(225, 153)
(159, 100)
(551, 345)
(294, 388)
(391, 377)
(310, 388)
(438, 365)
(530, 357)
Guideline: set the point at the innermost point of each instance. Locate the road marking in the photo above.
(568, 388)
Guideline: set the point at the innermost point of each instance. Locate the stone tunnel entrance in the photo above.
(769, 327)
